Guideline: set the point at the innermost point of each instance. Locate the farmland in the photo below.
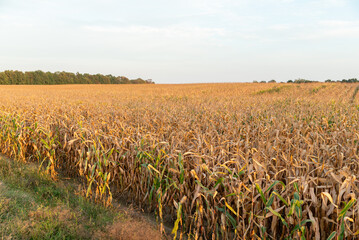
(219, 161)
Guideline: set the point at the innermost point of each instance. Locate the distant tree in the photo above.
(263, 82)
(138, 81)
(289, 81)
(123, 80)
(352, 80)
(4, 79)
(254, 81)
(329, 80)
(272, 81)
(149, 81)
(300, 80)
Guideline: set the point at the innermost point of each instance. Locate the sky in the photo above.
(183, 41)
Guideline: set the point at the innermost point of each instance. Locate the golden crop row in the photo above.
(221, 161)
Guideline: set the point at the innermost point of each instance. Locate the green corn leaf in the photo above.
(151, 193)
(200, 184)
(228, 215)
(180, 164)
(342, 228)
(346, 208)
(261, 193)
(231, 194)
(292, 206)
(281, 198)
(332, 235)
(299, 226)
(238, 174)
(89, 188)
(219, 181)
(179, 218)
(298, 210)
(278, 215)
(275, 183)
(270, 201)
(232, 220)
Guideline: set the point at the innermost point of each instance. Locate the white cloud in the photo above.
(12, 21)
(280, 27)
(348, 33)
(169, 32)
(339, 32)
(332, 29)
(330, 3)
(339, 23)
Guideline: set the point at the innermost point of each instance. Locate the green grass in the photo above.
(32, 206)
(272, 90)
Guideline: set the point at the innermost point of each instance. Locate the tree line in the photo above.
(350, 80)
(10, 77)
(300, 80)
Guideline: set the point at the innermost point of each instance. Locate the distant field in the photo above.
(220, 161)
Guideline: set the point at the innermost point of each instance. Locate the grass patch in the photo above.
(32, 206)
(271, 90)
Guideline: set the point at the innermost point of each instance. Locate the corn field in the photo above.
(220, 161)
